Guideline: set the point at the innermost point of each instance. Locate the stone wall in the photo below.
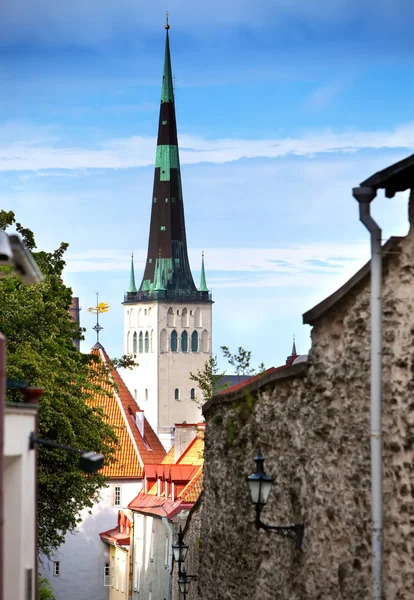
(313, 425)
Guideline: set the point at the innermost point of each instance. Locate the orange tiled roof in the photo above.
(194, 453)
(133, 451)
(193, 489)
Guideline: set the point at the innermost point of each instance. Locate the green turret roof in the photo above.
(203, 284)
(132, 287)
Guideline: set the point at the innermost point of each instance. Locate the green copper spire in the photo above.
(167, 92)
(158, 285)
(203, 284)
(132, 287)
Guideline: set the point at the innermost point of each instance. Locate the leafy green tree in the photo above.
(208, 380)
(45, 589)
(40, 332)
(241, 361)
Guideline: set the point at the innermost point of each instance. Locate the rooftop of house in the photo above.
(119, 535)
(134, 449)
(173, 485)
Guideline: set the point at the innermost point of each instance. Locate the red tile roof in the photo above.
(186, 474)
(117, 537)
(133, 451)
(243, 384)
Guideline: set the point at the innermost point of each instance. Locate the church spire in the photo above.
(132, 287)
(203, 284)
(167, 259)
(294, 353)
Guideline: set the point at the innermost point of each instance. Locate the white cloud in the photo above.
(139, 151)
(302, 265)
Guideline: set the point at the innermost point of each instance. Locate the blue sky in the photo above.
(282, 108)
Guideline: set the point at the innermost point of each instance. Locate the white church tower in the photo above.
(167, 321)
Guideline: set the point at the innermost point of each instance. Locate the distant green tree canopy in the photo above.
(39, 330)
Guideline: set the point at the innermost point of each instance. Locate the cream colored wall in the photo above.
(161, 372)
(151, 554)
(19, 503)
(119, 570)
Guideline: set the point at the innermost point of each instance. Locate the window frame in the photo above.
(107, 574)
(56, 568)
(117, 492)
(174, 341)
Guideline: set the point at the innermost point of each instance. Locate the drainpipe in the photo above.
(364, 195)
(170, 529)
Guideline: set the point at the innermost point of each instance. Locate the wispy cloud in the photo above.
(36, 154)
(301, 265)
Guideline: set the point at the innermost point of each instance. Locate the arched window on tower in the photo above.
(197, 318)
(174, 341)
(140, 345)
(134, 343)
(140, 317)
(184, 341)
(184, 318)
(163, 341)
(146, 341)
(128, 343)
(204, 341)
(149, 316)
(151, 342)
(194, 341)
(131, 316)
(176, 394)
(192, 394)
(170, 318)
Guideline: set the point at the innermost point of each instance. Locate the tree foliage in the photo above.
(39, 330)
(45, 589)
(210, 379)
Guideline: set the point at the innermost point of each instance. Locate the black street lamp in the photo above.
(260, 485)
(89, 462)
(180, 552)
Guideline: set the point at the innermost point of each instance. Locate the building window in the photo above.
(184, 318)
(112, 571)
(140, 342)
(145, 311)
(162, 227)
(146, 341)
(184, 341)
(170, 318)
(197, 318)
(128, 343)
(191, 313)
(56, 568)
(194, 342)
(176, 394)
(174, 342)
(163, 341)
(146, 394)
(134, 343)
(117, 495)
(107, 575)
(178, 312)
(152, 546)
(192, 394)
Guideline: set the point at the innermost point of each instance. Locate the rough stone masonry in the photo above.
(312, 422)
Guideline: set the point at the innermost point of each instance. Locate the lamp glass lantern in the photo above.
(260, 484)
(180, 549)
(184, 583)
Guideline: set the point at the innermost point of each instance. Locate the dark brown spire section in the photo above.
(167, 273)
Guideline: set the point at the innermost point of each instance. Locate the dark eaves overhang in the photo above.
(396, 178)
(311, 316)
(298, 370)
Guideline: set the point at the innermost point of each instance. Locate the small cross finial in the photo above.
(166, 23)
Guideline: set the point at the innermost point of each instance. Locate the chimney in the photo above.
(184, 435)
(139, 420)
